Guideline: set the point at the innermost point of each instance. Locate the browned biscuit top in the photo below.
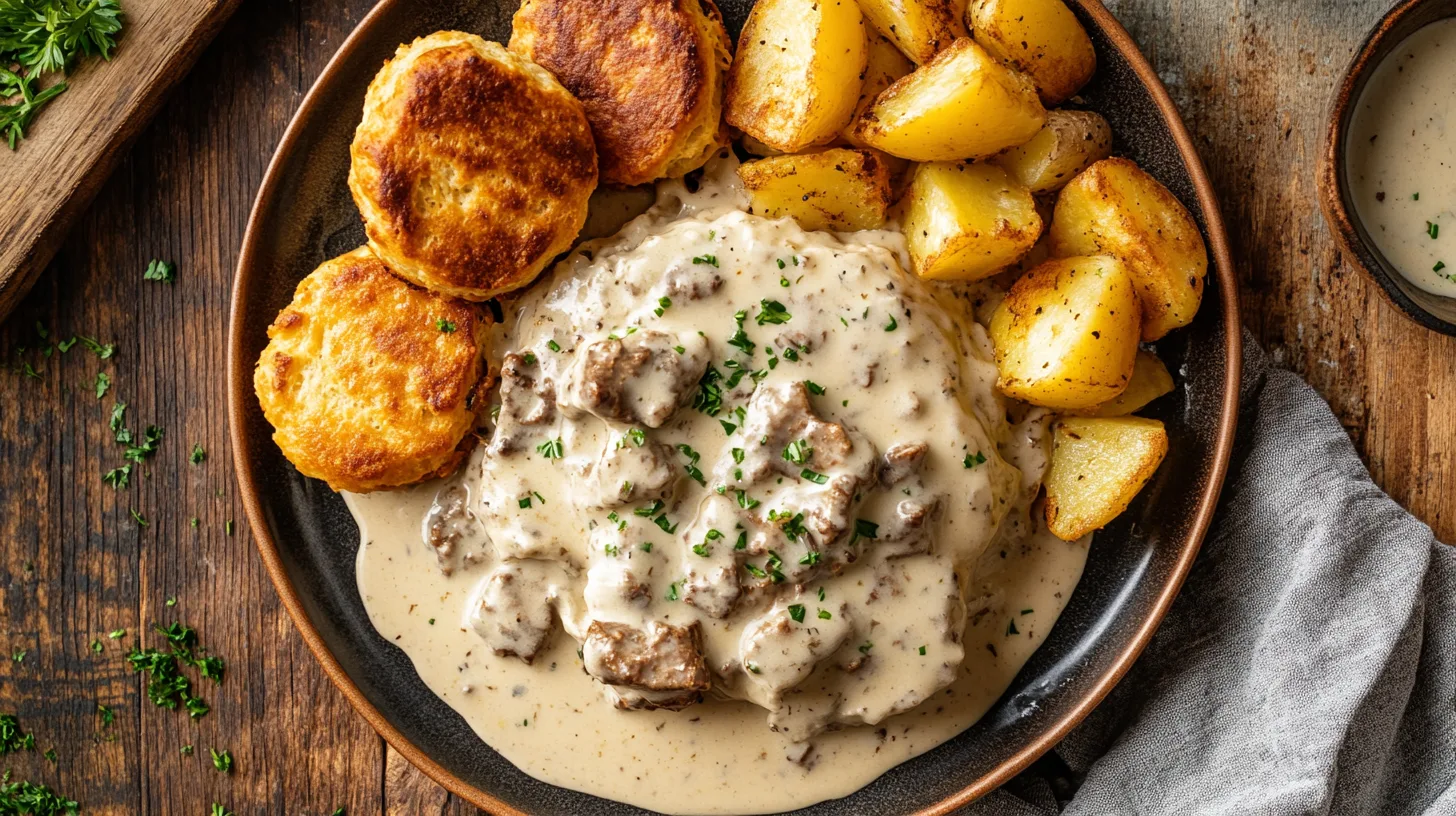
(471, 167)
(644, 70)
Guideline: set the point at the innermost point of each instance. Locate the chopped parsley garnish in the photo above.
(444, 325)
(167, 687)
(972, 460)
(728, 427)
(740, 340)
(771, 311)
(551, 448)
(781, 263)
(140, 519)
(754, 571)
(524, 502)
(103, 384)
(672, 591)
(796, 611)
(864, 648)
(611, 549)
(810, 558)
(1027, 611)
(711, 260)
(798, 452)
(164, 271)
(792, 526)
(28, 797)
(171, 600)
(227, 527)
(96, 646)
(663, 304)
(709, 398)
(784, 282)
(116, 634)
(821, 594)
(19, 655)
(646, 546)
(746, 501)
(864, 529)
(753, 667)
(553, 345)
(198, 454)
(922, 650)
(107, 715)
(791, 354)
(738, 455)
(1433, 230)
(742, 542)
(12, 738)
(665, 525)
(219, 810)
(814, 476)
(187, 749)
(814, 388)
(638, 436)
(103, 352)
(892, 325)
(824, 614)
(118, 477)
(529, 358)
(701, 550)
(692, 466)
(1439, 266)
(646, 512)
(1011, 628)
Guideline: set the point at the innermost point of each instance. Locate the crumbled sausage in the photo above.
(661, 666)
(451, 529)
(640, 378)
(515, 615)
(902, 461)
(527, 399)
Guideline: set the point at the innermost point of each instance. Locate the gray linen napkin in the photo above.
(1307, 667)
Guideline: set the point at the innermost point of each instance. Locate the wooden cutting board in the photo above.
(75, 141)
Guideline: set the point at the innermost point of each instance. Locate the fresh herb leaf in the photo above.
(103, 384)
(222, 761)
(711, 260)
(164, 271)
(553, 345)
(892, 325)
(551, 448)
(813, 476)
(814, 388)
(772, 312)
(198, 454)
(972, 460)
(446, 326)
(796, 611)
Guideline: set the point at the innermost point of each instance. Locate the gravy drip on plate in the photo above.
(751, 528)
(1402, 158)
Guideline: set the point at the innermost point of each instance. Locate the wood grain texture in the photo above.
(1251, 77)
(75, 141)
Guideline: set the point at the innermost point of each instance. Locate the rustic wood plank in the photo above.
(76, 140)
(1252, 79)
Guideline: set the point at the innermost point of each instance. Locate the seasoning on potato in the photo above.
(1115, 208)
(965, 221)
(796, 77)
(1097, 468)
(838, 189)
(1070, 142)
(1041, 38)
(920, 29)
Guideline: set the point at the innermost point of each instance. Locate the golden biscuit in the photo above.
(472, 166)
(649, 72)
(367, 380)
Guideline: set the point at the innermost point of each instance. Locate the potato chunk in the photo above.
(796, 77)
(1114, 208)
(1150, 380)
(1097, 466)
(966, 221)
(837, 189)
(919, 28)
(1068, 144)
(884, 66)
(1066, 335)
(961, 105)
(1040, 38)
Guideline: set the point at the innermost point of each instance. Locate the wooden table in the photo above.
(1252, 79)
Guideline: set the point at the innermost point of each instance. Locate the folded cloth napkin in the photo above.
(1307, 667)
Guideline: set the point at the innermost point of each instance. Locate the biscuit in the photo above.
(368, 380)
(472, 166)
(651, 74)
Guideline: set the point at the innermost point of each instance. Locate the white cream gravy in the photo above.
(1402, 158)
(866, 652)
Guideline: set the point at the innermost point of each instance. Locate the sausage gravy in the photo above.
(749, 526)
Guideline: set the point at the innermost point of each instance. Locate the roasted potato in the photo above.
(1040, 38)
(1114, 208)
(1066, 335)
(1097, 466)
(837, 189)
(961, 105)
(796, 78)
(965, 221)
(919, 28)
(1069, 142)
(883, 67)
(1150, 380)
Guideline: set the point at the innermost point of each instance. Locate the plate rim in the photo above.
(240, 381)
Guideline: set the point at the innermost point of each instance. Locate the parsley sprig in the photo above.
(167, 686)
(38, 37)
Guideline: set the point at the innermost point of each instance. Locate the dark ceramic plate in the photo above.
(307, 540)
